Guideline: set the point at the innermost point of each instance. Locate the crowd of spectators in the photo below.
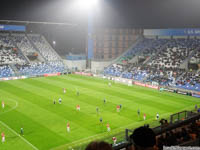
(5, 41)
(174, 53)
(189, 80)
(196, 57)
(23, 43)
(6, 71)
(179, 136)
(144, 138)
(116, 69)
(41, 68)
(163, 68)
(8, 52)
(45, 49)
(10, 55)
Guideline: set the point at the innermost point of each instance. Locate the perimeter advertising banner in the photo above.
(172, 32)
(51, 74)
(12, 28)
(146, 85)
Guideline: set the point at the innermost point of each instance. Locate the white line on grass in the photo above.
(35, 148)
(16, 105)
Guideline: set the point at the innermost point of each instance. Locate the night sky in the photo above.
(109, 13)
(120, 13)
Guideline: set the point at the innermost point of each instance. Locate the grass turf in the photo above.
(29, 104)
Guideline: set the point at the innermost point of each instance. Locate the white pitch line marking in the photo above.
(35, 148)
(16, 105)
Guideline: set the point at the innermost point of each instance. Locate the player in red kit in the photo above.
(144, 116)
(108, 127)
(2, 137)
(78, 107)
(68, 127)
(114, 140)
(64, 90)
(118, 108)
(2, 104)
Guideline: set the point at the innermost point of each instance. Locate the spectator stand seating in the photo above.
(6, 71)
(41, 68)
(45, 49)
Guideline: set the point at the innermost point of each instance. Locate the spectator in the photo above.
(101, 145)
(143, 138)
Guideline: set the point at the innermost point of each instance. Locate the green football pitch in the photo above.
(29, 104)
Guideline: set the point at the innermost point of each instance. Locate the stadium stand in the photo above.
(8, 52)
(23, 43)
(15, 47)
(176, 51)
(164, 58)
(190, 81)
(41, 68)
(45, 49)
(6, 71)
(182, 132)
(196, 57)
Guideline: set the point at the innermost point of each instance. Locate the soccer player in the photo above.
(196, 107)
(97, 110)
(118, 108)
(68, 127)
(2, 137)
(114, 140)
(108, 127)
(138, 112)
(101, 120)
(22, 131)
(3, 104)
(60, 100)
(77, 93)
(64, 90)
(54, 101)
(104, 101)
(78, 107)
(157, 116)
(144, 116)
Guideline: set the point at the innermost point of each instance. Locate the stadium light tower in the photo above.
(89, 7)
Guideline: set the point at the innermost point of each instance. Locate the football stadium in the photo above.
(99, 74)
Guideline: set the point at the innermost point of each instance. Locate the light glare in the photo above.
(86, 4)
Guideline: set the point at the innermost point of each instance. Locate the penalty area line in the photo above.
(27, 142)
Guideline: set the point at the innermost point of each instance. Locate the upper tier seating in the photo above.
(44, 48)
(8, 52)
(10, 55)
(5, 41)
(196, 57)
(163, 68)
(23, 43)
(175, 52)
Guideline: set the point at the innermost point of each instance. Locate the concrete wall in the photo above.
(79, 64)
(97, 66)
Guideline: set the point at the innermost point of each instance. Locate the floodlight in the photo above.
(86, 4)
